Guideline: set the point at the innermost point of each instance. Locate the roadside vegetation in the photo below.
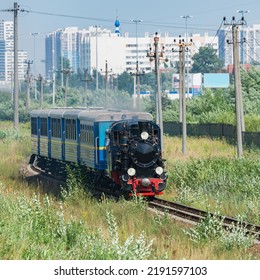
(38, 225)
(35, 224)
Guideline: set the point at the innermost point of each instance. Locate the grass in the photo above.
(34, 225)
(216, 181)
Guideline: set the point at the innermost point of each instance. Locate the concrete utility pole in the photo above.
(182, 81)
(182, 48)
(137, 75)
(157, 56)
(106, 80)
(238, 89)
(28, 100)
(34, 65)
(86, 80)
(66, 72)
(181, 75)
(16, 86)
(15, 10)
(41, 80)
(53, 70)
(186, 17)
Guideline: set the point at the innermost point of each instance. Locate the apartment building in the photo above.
(249, 38)
(7, 55)
(91, 48)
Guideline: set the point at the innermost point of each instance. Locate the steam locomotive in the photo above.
(122, 146)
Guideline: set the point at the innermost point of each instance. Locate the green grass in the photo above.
(224, 183)
(34, 225)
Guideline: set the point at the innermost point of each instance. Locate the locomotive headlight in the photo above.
(146, 182)
(131, 171)
(159, 170)
(144, 135)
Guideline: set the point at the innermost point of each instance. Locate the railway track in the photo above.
(194, 216)
(178, 211)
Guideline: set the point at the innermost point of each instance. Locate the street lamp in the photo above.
(137, 76)
(97, 27)
(34, 34)
(187, 53)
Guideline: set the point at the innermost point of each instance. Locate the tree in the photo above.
(126, 82)
(206, 61)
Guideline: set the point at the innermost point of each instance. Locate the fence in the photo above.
(213, 130)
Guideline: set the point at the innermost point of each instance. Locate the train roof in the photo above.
(66, 113)
(91, 114)
(113, 115)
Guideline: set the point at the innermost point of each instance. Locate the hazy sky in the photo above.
(47, 15)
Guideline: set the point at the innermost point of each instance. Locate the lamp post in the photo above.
(34, 34)
(137, 80)
(187, 53)
(53, 69)
(96, 26)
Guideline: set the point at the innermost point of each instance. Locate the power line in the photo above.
(125, 21)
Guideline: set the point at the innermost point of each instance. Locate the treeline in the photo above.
(213, 106)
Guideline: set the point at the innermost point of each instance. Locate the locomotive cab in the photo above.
(134, 157)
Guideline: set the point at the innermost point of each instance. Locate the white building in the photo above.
(7, 55)
(122, 52)
(92, 48)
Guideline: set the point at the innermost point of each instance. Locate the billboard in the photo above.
(216, 80)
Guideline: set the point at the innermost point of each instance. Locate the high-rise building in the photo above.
(7, 54)
(249, 47)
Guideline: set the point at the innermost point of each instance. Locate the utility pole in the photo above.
(156, 56)
(41, 80)
(34, 65)
(137, 75)
(182, 49)
(66, 72)
(15, 10)
(86, 80)
(106, 81)
(53, 70)
(238, 89)
(28, 62)
(181, 75)
(16, 86)
(187, 52)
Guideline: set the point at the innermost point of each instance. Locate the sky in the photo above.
(157, 16)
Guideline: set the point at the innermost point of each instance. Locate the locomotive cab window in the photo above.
(116, 138)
